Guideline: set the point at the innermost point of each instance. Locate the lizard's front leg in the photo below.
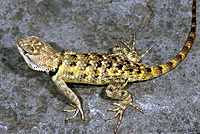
(115, 91)
(75, 102)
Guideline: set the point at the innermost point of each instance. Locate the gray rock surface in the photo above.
(30, 101)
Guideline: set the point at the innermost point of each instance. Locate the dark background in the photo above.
(30, 101)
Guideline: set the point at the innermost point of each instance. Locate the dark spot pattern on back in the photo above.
(122, 93)
(139, 71)
(137, 65)
(73, 64)
(148, 69)
(73, 55)
(99, 64)
(160, 67)
(71, 73)
(119, 66)
(114, 58)
(96, 76)
(130, 70)
(86, 55)
(127, 62)
(88, 64)
(100, 56)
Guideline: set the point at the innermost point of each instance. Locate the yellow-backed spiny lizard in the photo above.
(115, 69)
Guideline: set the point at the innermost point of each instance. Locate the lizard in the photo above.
(115, 70)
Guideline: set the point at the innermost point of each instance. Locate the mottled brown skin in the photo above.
(116, 69)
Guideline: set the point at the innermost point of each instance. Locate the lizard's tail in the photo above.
(155, 71)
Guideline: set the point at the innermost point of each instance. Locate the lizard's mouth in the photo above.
(24, 51)
(29, 58)
(25, 54)
(21, 50)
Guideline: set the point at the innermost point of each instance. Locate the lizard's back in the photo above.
(97, 68)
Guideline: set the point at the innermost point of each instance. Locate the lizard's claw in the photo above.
(119, 111)
(76, 110)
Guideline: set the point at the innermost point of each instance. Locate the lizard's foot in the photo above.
(119, 111)
(128, 52)
(131, 53)
(76, 110)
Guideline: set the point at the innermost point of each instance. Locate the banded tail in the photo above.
(155, 71)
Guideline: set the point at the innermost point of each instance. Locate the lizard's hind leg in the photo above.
(115, 91)
(128, 52)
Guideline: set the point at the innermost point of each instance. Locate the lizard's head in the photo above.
(38, 55)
